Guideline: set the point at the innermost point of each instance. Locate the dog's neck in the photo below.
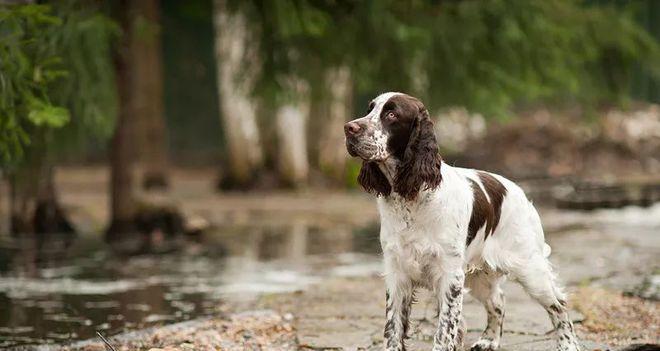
(389, 167)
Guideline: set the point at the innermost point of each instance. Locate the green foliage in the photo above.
(489, 56)
(46, 115)
(28, 65)
(189, 79)
(55, 71)
(86, 49)
(352, 171)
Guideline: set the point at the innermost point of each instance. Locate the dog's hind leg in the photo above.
(485, 287)
(538, 280)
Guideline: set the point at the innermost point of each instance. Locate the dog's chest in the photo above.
(412, 237)
(416, 257)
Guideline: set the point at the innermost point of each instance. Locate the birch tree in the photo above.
(233, 45)
(292, 156)
(331, 150)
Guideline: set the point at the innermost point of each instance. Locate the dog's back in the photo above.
(445, 228)
(518, 233)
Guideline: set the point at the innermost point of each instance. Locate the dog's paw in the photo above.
(484, 345)
(568, 346)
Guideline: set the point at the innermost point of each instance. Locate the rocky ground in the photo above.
(257, 330)
(606, 258)
(602, 257)
(347, 314)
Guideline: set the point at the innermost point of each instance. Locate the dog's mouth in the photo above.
(362, 151)
(352, 148)
(358, 149)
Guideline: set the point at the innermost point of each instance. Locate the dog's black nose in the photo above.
(352, 128)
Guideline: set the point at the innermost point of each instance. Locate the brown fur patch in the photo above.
(412, 141)
(485, 212)
(496, 192)
(373, 180)
(481, 211)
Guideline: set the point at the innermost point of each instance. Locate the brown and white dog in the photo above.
(446, 228)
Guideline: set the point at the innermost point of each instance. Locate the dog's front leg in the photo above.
(449, 290)
(399, 298)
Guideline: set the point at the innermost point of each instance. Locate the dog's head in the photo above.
(397, 126)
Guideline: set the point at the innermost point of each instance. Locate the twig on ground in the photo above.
(108, 346)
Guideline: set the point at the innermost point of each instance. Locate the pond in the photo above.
(61, 289)
(65, 288)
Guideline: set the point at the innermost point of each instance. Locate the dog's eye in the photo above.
(371, 106)
(390, 116)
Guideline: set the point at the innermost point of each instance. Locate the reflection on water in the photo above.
(65, 288)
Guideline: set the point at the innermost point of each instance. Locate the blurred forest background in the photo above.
(259, 91)
(207, 135)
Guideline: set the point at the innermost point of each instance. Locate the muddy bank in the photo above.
(347, 314)
(543, 143)
(256, 330)
(291, 253)
(599, 256)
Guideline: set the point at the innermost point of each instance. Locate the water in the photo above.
(63, 289)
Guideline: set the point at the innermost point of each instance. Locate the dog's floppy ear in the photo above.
(373, 180)
(421, 160)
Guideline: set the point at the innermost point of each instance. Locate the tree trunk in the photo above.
(332, 154)
(34, 206)
(122, 203)
(49, 216)
(22, 201)
(5, 204)
(292, 157)
(237, 110)
(148, 93)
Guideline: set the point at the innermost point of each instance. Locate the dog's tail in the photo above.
(537, 227)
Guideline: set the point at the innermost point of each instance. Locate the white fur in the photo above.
(424, 241)
(373, 145)
(420, 233)
(424, 244)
